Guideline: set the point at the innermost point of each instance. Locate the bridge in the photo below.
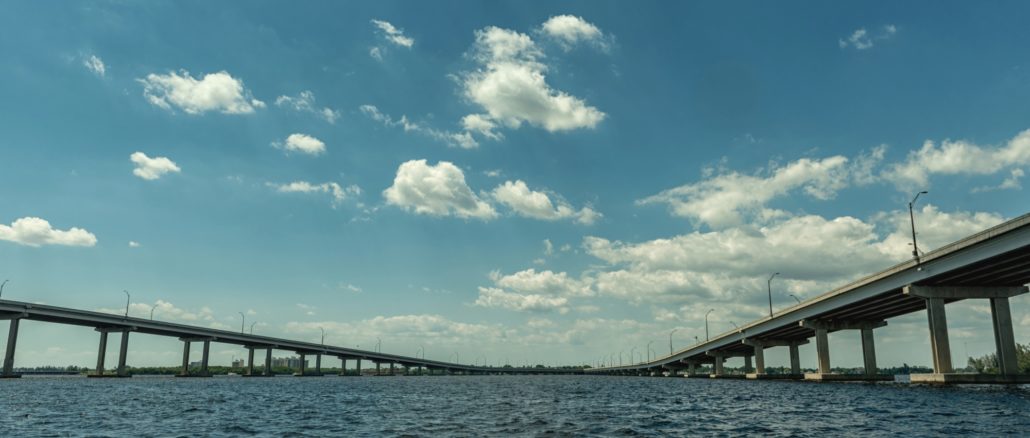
(991, 265)
(105, 323)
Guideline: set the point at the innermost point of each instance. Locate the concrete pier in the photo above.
(268, 362)
(250, 361)
(186, 343)
(822, 346)
(1001, 322)
(12, 342)
(102, 354)
(760, 345)
(343, 366)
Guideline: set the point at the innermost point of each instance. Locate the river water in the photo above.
(502, 406)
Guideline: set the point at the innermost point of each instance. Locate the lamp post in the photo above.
(706, 323)
(379, 344)
(697, 340)
(631, 350)
(620, 357)
(670, 341)
(252, 327)
(421, 350)
(649, 350)
(243, 322)
(127, 297)
(2, 287)
(769, 287)
(323, 336)
(796, 298)
(912, 221)
(152, 312)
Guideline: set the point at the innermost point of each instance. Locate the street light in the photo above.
(421, 350)
(796, 298)
(670, 341)
(697, 340)
(252, 327)
(769, 284)
(243, 322)
(323, 336)
(2, 287)
(620, 357)
(706, 323)
(631, 350)
(127, 297)
(152, 312)
(379, 344)
(912, 220)
(649, 350)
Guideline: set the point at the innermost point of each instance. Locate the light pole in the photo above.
(649, 350)
(912, 221)
(697, 340)
(734, 325)
(379, 344)
(769, 284)
(2, 287)
(620, 358)
(152, 312)
(421, 350)
(243, 322)
(127, 297)
(670, 341)
(323, 336)
(706, 323)
(252, 327)
(796, 298)
(631, 357)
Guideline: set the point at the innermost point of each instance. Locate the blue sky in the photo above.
(520, 181)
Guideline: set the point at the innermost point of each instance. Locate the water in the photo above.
(501, 406)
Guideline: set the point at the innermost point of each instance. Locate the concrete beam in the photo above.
(830, 325)
(773, 342)
(963, 292)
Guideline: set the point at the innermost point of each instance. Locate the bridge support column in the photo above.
(302, 365)
(204, 357)
(102, 354)
(869, 352)
(795, 359)
(747, 364)
(822, 350)
(391, 368)
(185, 358)
(378, 369)
(12, 342)
(250, 361)
(343, 366)
(318, 364)
(691, 369)
(717, 366)
(939, 345)
(1004, 341)
(357, 367)
(268, 362)
(122, 353)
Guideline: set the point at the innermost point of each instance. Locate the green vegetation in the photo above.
(988, 364)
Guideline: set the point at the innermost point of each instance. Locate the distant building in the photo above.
(288, 362)
(239, 363)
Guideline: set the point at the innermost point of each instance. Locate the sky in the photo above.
(498, 182)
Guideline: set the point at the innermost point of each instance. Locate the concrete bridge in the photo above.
(106, 324)
(992, 265)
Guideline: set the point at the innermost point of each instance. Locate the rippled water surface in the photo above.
(501, 406)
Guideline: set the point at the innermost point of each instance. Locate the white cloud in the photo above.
(428, 329)
(481, 125)
(33, 231)
(861, 39)
(934, 228)
(537, 205)
(393, 34)
(214, 92)
(338, 192)
(438, 190)
(721, 200)
(961, 158)
(350, 287)
(305, 102)
(302, 143)
(307, 309)
(95, 65)
(548, 247)
(163, 311)
(511, 86)
(570, 30)
(543, 282)
(134, 244)
(463, 140)
(494, 297)
(376, 53)
(152, 168)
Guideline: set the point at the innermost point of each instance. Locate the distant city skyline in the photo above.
(507, 182)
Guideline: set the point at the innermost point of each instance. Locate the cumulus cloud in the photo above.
(543, 282)
(436, 190)
(152, 168)
(962, 158)
(537, 205)
(463, 140)
(393, 34)
(134, 244)
(861, 39)
(338, 192)
(430, 329)
(94, 64)
(35, 232)
(214, 92)
(511, 85)
(305, 102)
(494, 297)
(722, 200)
(302, 143)
(570, 30)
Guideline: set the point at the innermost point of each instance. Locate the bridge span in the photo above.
(992, 265)
(106, 323)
